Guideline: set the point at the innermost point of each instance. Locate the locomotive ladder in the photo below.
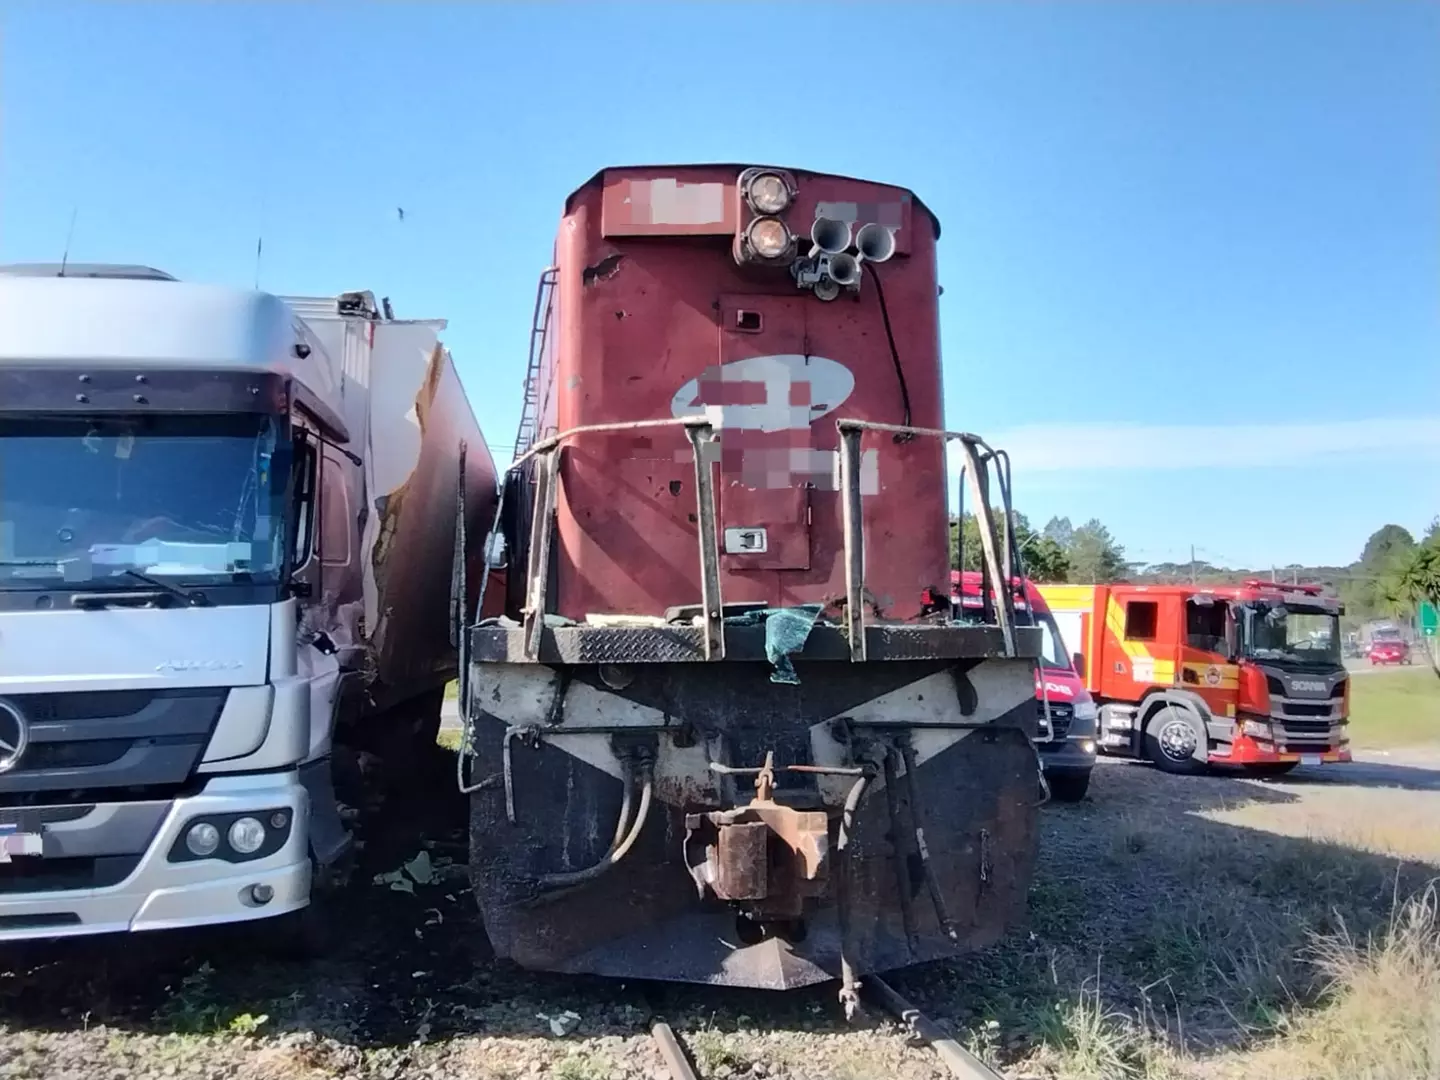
(539, 321)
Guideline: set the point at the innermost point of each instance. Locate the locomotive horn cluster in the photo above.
(830, 266)
(830, 236)
(844, 269)
(875, 242)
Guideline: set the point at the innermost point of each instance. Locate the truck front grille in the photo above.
(31, 875)
(1061, 716)
(110, 745)
(1307, 734)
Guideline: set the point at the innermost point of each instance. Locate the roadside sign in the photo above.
(1428, 619)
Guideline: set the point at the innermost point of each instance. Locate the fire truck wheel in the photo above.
(1175, 740)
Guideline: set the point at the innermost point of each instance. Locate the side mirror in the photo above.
(1078, 661)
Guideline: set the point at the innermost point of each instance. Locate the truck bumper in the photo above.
(1068, 755)
(1248, 751)
(168, 887)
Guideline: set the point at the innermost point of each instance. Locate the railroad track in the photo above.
(959, 1061)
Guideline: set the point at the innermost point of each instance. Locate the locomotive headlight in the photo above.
(768, 193)
(769, 238)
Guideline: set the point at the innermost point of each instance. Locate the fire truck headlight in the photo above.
(1256, 729)
(769, 238)
(768, 193)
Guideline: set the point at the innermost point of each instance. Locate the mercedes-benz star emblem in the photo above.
(14, 736)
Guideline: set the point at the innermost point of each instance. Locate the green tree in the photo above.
(1060, 531)
(1095, 556)
(1385, 544)
(1373, 588)
(1413, 575)
(1044, 560)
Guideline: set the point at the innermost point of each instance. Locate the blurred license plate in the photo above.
(1310, 759)
(17, 843)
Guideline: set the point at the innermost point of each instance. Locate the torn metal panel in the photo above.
(385, 606)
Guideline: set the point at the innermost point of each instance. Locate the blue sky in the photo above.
(1157, 215)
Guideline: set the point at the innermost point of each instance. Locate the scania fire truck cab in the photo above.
(1249, 676)
(1067, 730)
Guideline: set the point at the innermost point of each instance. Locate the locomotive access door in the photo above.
(764, 498)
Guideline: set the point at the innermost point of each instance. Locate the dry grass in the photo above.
(1085, 1039)
(1186, 928)
(1379, 1017)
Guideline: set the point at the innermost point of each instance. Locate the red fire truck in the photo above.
(724, 665)
(1248, 677)
(1067, 711)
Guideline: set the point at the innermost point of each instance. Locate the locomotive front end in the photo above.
(728, 732)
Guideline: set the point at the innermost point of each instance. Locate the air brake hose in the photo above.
(619, 848)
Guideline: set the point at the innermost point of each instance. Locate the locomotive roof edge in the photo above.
(738, 166)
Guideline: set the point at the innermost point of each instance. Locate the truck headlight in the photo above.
(1256, 729)
(247, 836)
(203, 839)
(1086, 710)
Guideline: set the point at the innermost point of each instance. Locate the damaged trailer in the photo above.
(726, 730)
(227, 530)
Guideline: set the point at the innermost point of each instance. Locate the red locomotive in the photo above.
(727, 731)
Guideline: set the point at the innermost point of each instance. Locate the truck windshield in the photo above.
(1053, 654)
(86, 499)
(1291, 634)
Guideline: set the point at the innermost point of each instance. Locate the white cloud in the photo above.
(1079, 447)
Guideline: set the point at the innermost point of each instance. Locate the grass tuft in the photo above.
(1084, 1039)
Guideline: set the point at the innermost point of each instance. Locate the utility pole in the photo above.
(1192, 564)
(1273, 578)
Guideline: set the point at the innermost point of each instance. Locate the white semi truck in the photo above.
(228, 534)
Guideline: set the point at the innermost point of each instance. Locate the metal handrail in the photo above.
(699, 431)
(975, 468)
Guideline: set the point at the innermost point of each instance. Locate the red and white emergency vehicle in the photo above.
(1248, 676)
(1067, 711)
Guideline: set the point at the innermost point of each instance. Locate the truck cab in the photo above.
(1068, 715)
(1191, 677)
(194, 587)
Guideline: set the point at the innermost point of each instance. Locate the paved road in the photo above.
(1364, 667)
(1415, 769)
